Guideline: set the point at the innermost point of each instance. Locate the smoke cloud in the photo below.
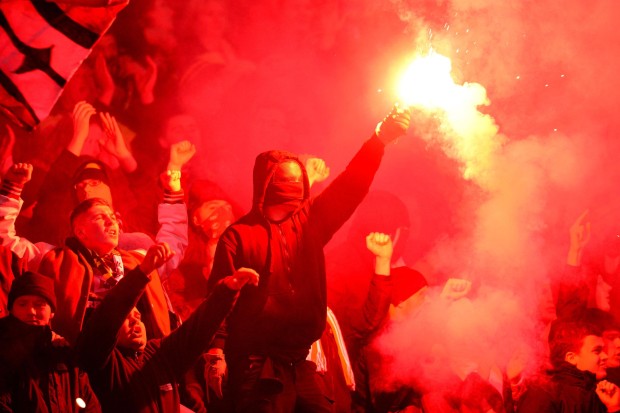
(491, 189)
(537, 158)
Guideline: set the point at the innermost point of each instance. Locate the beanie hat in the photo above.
(405, 282)
(31, 283)
(91, 170)
(203, 190)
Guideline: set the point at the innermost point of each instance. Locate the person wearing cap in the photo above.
(271, 329)
(337, 354)
(37, 371)
(132, 373)
(389, 291)
(347, 263)
(210, 211)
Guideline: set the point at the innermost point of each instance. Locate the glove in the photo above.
(215, 372)
(394, 125)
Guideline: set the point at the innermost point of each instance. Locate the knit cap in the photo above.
(31, 283)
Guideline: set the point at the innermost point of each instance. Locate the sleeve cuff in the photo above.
(174, 197)
(11, 189)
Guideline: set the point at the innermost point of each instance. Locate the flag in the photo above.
(42, 43)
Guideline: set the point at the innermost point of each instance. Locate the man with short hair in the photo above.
(37, 373)
(576, 352)
(610, 332)
(90, 264)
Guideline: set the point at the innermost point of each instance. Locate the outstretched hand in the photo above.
(380, 244)
(156, 256)
(317, 170)
(115, 144)
(580, 230)
(104, 79)
(82, 112)
(180, 154)
(395, 124)
(114, 141)
(241, 277)
(579, 237)
(456, 288)
(145, 79)
(19, 173)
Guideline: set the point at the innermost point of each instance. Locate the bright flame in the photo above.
(428, 83)
(468, 135)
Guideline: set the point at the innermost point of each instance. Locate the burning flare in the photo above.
(428, 83)
(468, 135)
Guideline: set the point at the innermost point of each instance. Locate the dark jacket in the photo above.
(286, 313)
(356, 330)
(36, 376)
(566, 389)
(359, 327)
(145, 381)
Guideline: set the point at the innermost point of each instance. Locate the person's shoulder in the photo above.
(541, 394)
(4, 322)
(249, 222)
(62, 356)
(59, 253)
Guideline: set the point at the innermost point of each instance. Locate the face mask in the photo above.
(217, 220)
(284, 193)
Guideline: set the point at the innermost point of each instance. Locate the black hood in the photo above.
(264, 168)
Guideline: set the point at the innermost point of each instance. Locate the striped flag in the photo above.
(42, 43)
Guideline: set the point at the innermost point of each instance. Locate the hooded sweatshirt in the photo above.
(287, 312)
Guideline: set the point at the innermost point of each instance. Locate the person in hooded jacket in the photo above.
(268, 334)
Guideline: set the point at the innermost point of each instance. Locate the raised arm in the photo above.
(579, 238)
(115, 144)
(316, 168)
(14, 181)
(377, 302)
(338, 201)
(574, 290)
(98, 338)
(172, 212)
(185, 344)
(82, 112)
